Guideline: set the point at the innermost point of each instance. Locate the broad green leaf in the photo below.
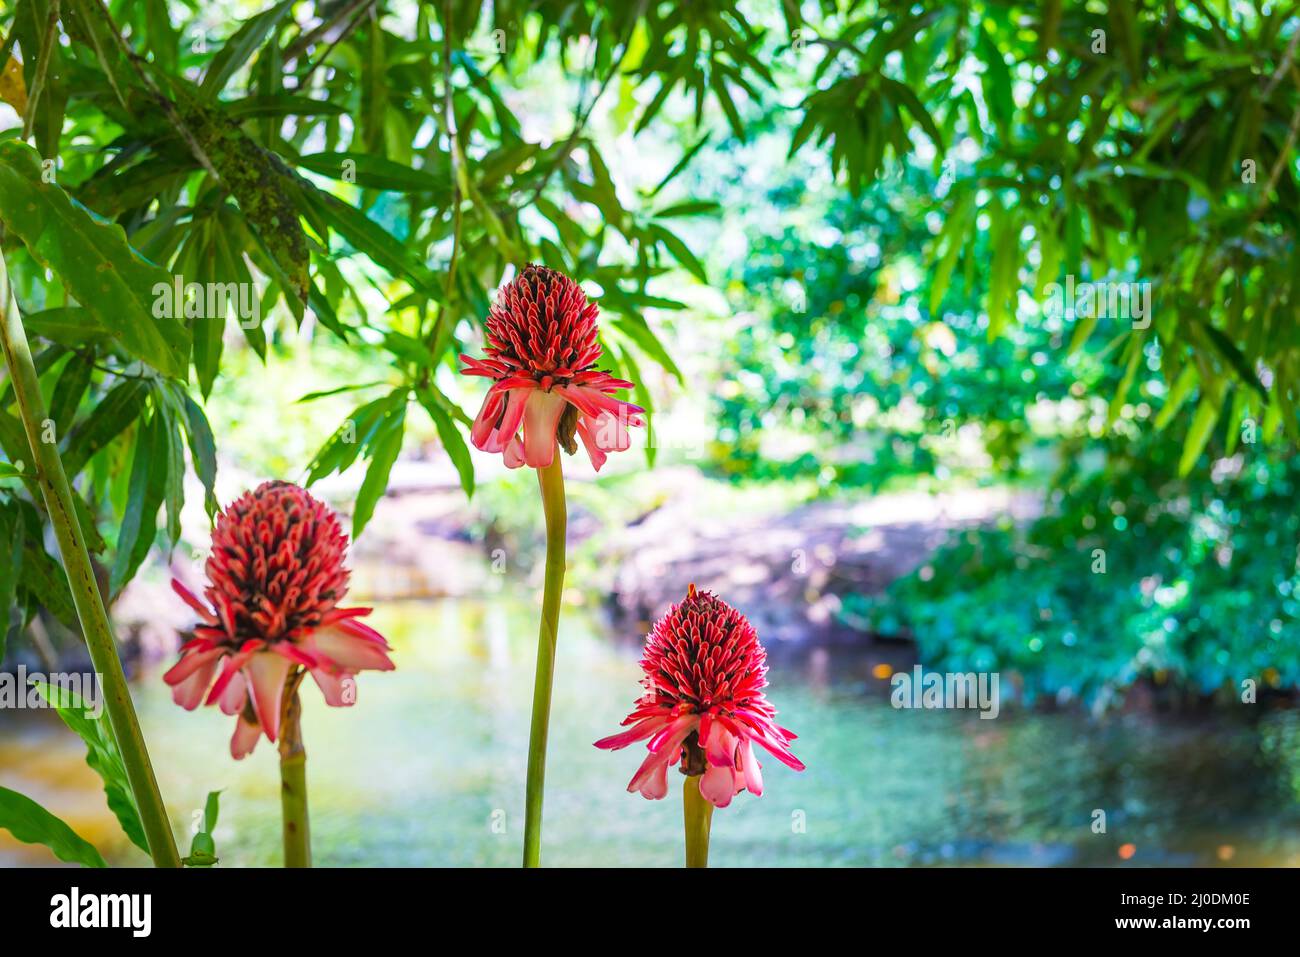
(92, 258)
(102, 755)
(72, 326)
(32, 824)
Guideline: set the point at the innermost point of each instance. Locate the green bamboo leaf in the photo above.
(88, 22)
(342, 448)
(452, 441)
(203, 449)
(376, 172)
(1133, 357)
(698, 207)
(1198, 434)
(92, 258)
(240, 47)
(174, 462)
(146, 490)
(367, 237)
(106, 422)
(32, 824)
(680, 251)
(954, 235)
(384, 451)
(279, 105)
(1236, 415)
(43, 577)
(73, 382)
(681, 164)
(102, 755)
(634, 327)
(902, 93)
(1178, 393)
(1240, 364)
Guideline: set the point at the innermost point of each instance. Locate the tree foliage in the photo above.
(331, 155)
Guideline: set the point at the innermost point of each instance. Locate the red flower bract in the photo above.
(704, 677)
(275, 578)
(542, 348)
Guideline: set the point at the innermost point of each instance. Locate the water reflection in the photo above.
(428, 768)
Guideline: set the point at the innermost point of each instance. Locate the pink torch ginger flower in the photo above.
(704, 677)
(542, 348)
(275, 578)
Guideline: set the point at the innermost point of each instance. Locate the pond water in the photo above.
(428, 769)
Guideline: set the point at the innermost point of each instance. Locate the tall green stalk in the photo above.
(551, 482)
(697, 815)
(91, 613)
(293, 778)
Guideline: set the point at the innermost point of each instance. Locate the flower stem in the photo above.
(551, 481)
(293, 777)
(95, 626)
(698, 816)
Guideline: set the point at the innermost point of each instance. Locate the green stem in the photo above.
(81, 579)
(293, 778)
(698, 816)
(551, 481)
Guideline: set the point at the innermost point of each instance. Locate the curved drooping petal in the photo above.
(191, 676)
(705, 671)
(541, 422)
(499, 419)
(245, 738)
(345, 647)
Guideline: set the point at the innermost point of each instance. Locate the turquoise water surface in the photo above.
(428, 769)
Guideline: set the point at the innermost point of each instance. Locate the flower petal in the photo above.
(188, 691)
(266, 673)
(342, 650)
(718, 785)
(244, 739)
(541, 421)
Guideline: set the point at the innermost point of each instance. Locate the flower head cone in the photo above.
(275, 579)
(703, 705)
(542, 348)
